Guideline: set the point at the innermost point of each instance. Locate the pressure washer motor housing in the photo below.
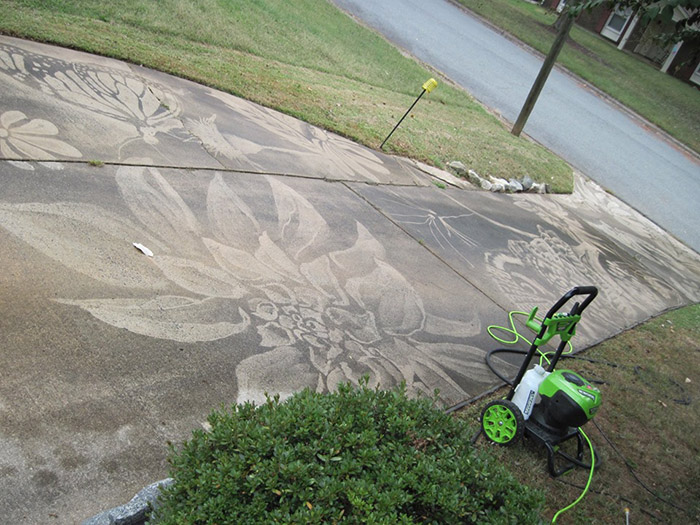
(546, 405)
(568, 400)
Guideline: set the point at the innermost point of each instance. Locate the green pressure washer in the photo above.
(547, 405)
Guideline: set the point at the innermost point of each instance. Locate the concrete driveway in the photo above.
(618, 151)
(283, 257)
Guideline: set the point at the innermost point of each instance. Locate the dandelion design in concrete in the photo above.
(441, 230)
(527, 251)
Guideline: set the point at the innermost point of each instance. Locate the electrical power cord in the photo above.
(634, 474)
(685, 400)
(517, 337)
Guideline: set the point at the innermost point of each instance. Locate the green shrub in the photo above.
(356, 456)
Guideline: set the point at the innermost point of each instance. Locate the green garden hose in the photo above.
(518, 336)
(588, 483)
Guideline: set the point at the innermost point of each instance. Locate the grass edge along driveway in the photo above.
(307, 59)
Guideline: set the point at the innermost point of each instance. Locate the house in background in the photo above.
(622, 27)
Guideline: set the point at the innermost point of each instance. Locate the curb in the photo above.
(135, 512)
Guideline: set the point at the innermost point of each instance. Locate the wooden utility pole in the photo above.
(543, 74)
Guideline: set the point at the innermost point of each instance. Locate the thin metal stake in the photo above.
(400, 121)
(427, 88)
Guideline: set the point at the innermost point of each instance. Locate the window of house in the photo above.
(695, 77)
(616, 23)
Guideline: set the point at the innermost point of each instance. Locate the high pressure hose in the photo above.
(588, 483)
(517, 337)
(543, 357)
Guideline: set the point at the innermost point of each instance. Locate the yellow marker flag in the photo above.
(430, 85)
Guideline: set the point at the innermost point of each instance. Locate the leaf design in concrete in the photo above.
(327, 314)
(308, 148)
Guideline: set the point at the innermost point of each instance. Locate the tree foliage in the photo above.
(686, 28)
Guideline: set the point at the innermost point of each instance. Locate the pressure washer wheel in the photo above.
(502, 422)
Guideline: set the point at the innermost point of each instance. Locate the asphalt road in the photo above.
(599, 139)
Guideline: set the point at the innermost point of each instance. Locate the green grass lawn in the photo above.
(666, 101)
(644, 433)
(305, 58)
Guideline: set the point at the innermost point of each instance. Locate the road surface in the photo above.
(596, 137)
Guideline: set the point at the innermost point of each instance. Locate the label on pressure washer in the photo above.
(525, 395)
(587, 394)
(530, 403)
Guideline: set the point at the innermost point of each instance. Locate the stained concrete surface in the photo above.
(284, 257)
(245, 136)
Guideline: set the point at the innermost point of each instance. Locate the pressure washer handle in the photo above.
(575, 313)
(590, 291)
(555, 323)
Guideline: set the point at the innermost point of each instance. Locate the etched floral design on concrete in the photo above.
(115, 94)
(534, 268)
(652, 246)
(531, 255)
(310, 149)
(35, 139)
(321, 315)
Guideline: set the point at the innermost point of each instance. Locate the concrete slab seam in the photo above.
(426, 247)
(222, 170)
(146, 82)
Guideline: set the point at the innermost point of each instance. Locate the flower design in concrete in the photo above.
(308, 148)
(24, 138)
(321, 313)
(532, 269)
(552, 247)
(115, 94)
